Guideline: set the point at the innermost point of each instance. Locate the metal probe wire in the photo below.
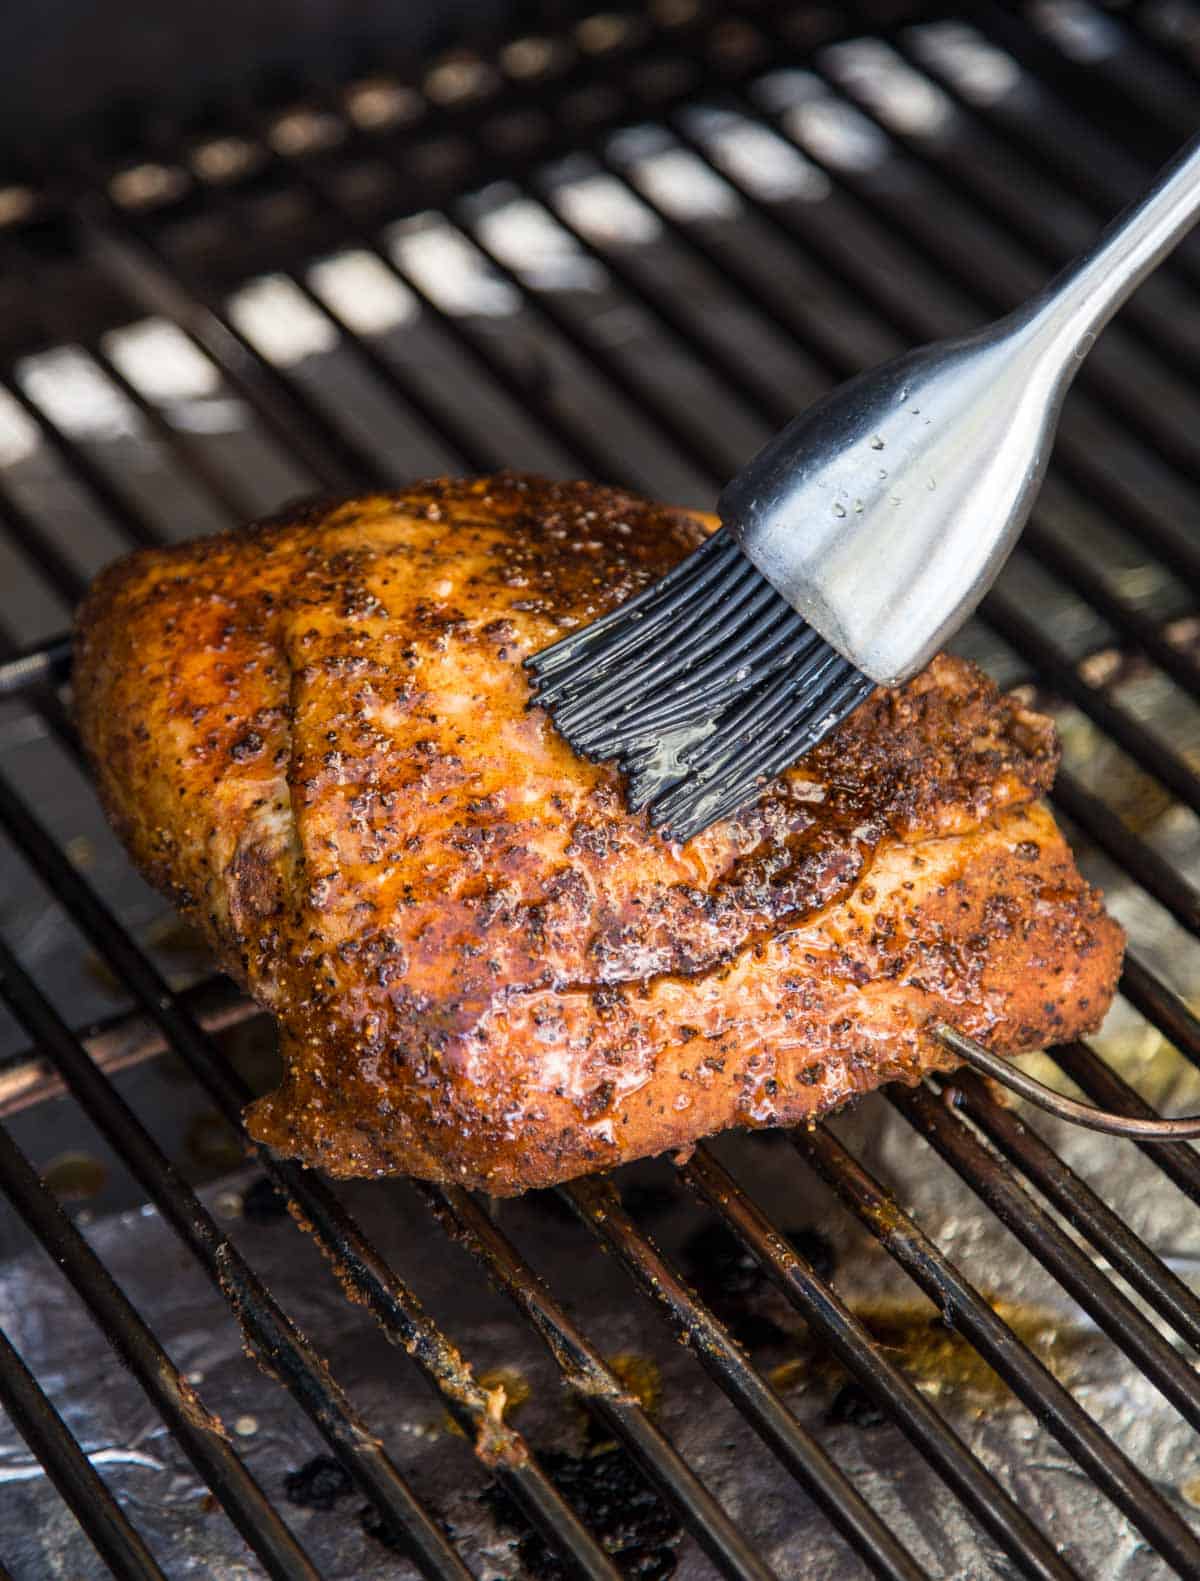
(1185, 1129)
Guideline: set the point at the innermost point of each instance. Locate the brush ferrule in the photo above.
(884, 513)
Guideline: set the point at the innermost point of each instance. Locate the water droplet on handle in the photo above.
(839, 509)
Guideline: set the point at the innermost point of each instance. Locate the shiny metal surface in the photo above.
(885, 512)
(1185, 1128)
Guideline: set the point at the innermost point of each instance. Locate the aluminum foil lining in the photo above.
(156, 1485)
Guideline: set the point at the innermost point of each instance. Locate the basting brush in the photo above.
(851, 547)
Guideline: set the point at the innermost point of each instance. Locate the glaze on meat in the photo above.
(315, 736)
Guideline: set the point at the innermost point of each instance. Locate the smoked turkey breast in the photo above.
(315, 735)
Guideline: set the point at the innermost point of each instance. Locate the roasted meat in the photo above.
(316, 736)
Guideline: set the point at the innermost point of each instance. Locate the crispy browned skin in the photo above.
(315, 736)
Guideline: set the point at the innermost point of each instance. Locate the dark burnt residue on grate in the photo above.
(615, 1501)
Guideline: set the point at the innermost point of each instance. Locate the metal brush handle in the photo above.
(1185, 1129)
(884, 513)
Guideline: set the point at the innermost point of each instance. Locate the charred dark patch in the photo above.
(614, 1500)
(318, 1484)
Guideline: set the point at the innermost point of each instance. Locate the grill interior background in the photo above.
(627, 250)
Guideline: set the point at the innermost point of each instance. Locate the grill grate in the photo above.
(819, 194)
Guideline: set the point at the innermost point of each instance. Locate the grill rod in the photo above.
(72, 1473)
(273, 1335)
(200, 1433)
(394, 1306)
(966, 1310)
(598, 1206)
(593, 1382)
(1079, 1205)
(1180, 1164)
(995, 1184)
(828, 1316)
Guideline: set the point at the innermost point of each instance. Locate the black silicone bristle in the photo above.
(703, 688)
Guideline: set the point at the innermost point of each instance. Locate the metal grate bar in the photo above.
(1116, 839)
(1059, 138)
(968, 1312)
(1080, 1206)
(219, 485)
(120, 1041)
(1135, 626)
(191, 457)
(932, 245)
(121, 247)
(595, 1384)
(40, 1425)
(1179, 1162)
(1151, 81)
(66, 580)
(403, 1319)
(908, 322)
(829, 1317)
(274, 1337)
(994, 1183)
(200, 1433)
(1055, 138)
(1161, 1007)
(116, 503)
(42, 696)
(393, 1305)
(736, 375)
(597, 1204)
(576, 443)
(1062, 675)
(679, 432)
(689, 439)
(957, 176)
(463, 445)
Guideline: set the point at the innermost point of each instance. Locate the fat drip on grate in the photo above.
(973, 161)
